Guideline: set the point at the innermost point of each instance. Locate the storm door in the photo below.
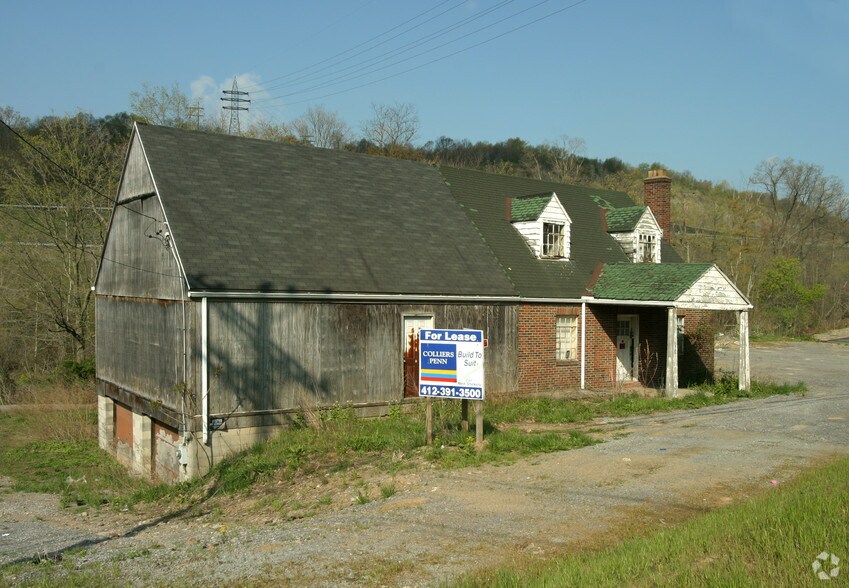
(626, 348)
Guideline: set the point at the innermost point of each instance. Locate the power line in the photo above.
(366, 50)
(313, 34)
(113, 201)
(48, 206)
(412, 45)
(140, 268)
(438, 59)
(84, 247)
(94, 190)
(358, 45)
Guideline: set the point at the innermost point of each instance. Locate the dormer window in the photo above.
(552, 240)
(543, 222)
(636, 230)
(647, 248)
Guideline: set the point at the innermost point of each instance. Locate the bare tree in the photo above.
(55, 213)
(159, 105)
(321, 128)
(801, 199)
(268, 131)
(568, 157)
(392, 125)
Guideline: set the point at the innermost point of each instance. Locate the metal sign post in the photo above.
(451, 366)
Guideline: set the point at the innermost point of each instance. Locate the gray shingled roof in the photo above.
(250, 215)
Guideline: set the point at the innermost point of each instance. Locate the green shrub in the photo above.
(72, 369)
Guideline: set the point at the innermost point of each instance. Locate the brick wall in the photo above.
(657, 195)
(696, 363)
(539, 371)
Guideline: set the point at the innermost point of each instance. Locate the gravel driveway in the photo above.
(442, 523)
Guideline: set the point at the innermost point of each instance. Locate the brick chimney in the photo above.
(657, 191)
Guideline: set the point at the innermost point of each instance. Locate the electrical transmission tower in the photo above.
(195, 112)
(235, 100)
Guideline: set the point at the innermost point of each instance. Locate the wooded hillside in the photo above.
(784, 240)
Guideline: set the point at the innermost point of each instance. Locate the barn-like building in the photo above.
(244, 280)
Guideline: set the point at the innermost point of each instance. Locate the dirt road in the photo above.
(442, 523)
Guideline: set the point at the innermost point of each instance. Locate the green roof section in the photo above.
(647, 281)
(624, 219)
(528, 208)
(602, 202)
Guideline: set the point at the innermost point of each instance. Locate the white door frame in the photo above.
(635, 356)
(428, 317)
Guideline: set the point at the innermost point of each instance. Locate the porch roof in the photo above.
(684, 285)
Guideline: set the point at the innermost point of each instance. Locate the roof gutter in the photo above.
(666, 304)
(437, 298)
(349, 296)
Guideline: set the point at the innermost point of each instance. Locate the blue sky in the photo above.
(712, 87)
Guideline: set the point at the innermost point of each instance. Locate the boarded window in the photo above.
(123, 424)
(165, 464)
(566, 338)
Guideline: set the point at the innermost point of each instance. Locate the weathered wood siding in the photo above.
(140, 347)
(136, 260)
(267, 355)
(136, 180)
(711, 290)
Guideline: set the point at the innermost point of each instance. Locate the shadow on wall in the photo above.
(251, 368)
(692, 369)
(255, 371)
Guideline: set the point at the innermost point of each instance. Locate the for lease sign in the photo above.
(451, 363)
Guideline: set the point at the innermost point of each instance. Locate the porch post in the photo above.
(744, 375)
(583, 345)
(671, 352)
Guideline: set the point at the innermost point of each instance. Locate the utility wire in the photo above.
(94, 190)
(383, 57)
(351, 76)
(103, 257)
(313, 34)
(358, 45)
(438, 59)
(114, 201)
(310, 75)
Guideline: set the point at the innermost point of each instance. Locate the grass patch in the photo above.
(324, 442)
(387, 491)
(771, 540)
(550, 410)
(40, 458)
(779, 338)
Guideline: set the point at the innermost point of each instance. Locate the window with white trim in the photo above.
(552, 240)
(566, 338)
(646, 248)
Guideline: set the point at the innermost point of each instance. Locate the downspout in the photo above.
(583, 345)
(183, 298)
(204, 368)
